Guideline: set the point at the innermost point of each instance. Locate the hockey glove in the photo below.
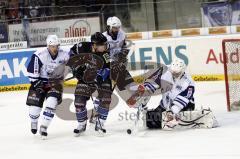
(38, 85)
(78, 72)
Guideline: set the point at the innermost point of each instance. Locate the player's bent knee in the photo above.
(105, 102)
(189, 107)
(80, 101)
(52, 102)
(56, 94)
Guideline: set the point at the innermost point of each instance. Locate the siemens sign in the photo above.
(163, 55)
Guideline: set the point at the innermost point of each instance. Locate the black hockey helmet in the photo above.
(98, 38)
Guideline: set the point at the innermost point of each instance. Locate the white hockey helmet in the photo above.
(52, 40)
(177, 68)
(114, 22)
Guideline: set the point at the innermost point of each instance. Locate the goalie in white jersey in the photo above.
(179, 98)
(46, 74)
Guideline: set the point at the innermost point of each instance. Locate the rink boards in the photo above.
(203, 55)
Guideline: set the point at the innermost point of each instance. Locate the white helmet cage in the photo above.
(52, 40)
(178, 67)
(114, 22)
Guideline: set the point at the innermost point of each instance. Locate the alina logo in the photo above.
(78, 29)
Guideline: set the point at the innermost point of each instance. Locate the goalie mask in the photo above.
(177, 68)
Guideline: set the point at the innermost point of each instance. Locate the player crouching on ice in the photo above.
(177, 107)
(179, 98)
(46, 74)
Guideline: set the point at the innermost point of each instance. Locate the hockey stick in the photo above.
(125, 54)
(115, 84)
(140, 110)
(135, 127)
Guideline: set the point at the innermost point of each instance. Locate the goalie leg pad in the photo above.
(203, 118)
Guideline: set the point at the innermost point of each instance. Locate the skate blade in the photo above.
(99, 133)
(44, 137)
(79, 134)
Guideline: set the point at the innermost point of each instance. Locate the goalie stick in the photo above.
(136, 125)
(137, 96)
(140, 110)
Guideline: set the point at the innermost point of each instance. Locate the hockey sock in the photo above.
(96, 103)
(34, 113)
(81, 114)
(49, 111)
(102, 112)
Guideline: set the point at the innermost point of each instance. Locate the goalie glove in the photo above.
(171, 120)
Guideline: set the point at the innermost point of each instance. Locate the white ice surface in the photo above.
(16, 141)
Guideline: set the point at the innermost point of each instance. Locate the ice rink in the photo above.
(16, 140)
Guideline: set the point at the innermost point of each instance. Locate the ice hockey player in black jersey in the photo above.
(90, 62)
(118, 53)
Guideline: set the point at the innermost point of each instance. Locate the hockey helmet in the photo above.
(98, 38)
(177, 67)
(99, 41)
(114, 22)
(52, 40)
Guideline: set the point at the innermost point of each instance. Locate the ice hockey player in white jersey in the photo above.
(115, 35)
(118, 52)
(46, 74)
(177, 99)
